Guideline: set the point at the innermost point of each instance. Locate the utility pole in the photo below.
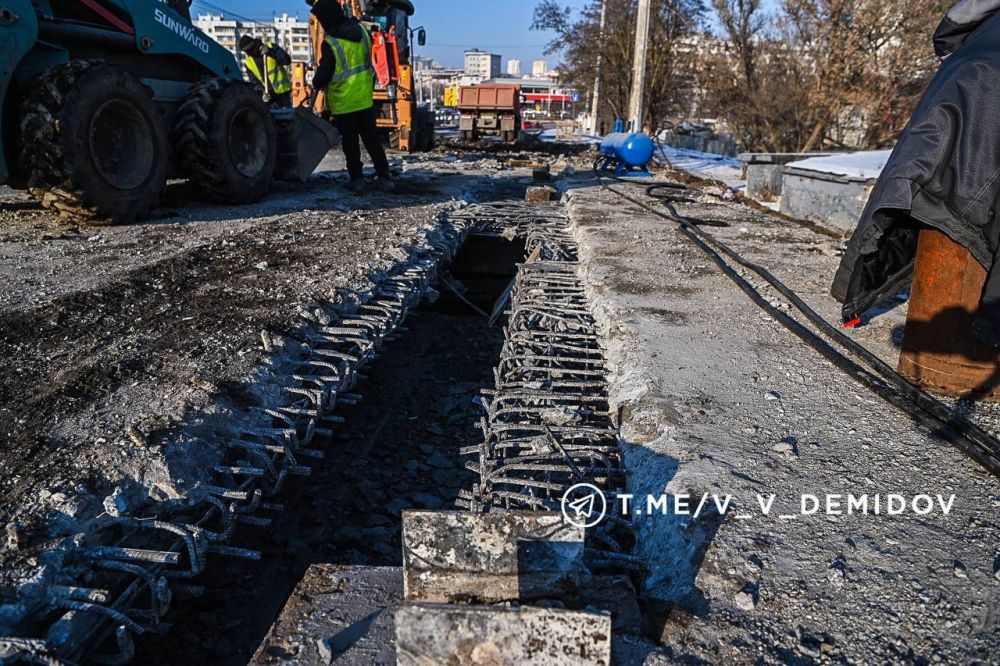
(637, 104)
(595, 109)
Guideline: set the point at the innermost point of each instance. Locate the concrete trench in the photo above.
(369, 433)
(505, 574)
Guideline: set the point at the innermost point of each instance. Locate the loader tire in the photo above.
(93, 147)
(226, 141)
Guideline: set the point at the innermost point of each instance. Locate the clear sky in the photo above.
(453, 26)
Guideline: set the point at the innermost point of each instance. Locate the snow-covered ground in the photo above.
(728, 170)
(552, 135)
(867, 164)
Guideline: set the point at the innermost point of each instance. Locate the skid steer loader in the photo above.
(102, 100)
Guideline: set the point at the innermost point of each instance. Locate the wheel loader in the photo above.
(102, 100)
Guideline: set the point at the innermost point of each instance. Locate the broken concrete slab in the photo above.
(467, 635)
(544, 193)
(337, 615)
(451, 557)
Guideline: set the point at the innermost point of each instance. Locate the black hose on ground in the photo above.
(970, 438)
(654, 192)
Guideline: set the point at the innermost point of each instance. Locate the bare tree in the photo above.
(743, 23)
(670, 67)
(845, 73)
(753, 82)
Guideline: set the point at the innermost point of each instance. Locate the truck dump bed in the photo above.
(504, 97)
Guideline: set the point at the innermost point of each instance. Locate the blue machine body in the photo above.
(626, 152)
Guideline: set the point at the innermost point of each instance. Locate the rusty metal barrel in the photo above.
(939, 351)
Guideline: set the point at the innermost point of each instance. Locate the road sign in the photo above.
(574, 96)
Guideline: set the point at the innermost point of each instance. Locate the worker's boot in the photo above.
(357, 185)
(384, 185)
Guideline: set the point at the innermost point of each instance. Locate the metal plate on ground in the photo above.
(337, 614)
(462, 557)
(439, 634)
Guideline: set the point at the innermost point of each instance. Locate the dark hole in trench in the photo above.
(398, 449)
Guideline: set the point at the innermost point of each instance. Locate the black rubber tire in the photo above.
(93, 146)
(226, 141)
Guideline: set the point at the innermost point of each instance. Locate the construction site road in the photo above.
(783, 512)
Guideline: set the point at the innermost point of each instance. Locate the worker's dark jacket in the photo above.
(338, 27)
(943, 173)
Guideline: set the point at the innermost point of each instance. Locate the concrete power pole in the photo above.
(595, 109)
(637, 104)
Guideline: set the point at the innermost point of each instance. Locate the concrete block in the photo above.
(543, 193)
(337, 615)
(831, 200)
(765, 172)
(458, 557)
(764, 181)
(482, 636)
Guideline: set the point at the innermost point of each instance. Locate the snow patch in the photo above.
(867, 164)
(708, 166)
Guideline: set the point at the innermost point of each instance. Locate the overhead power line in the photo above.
(210, 7)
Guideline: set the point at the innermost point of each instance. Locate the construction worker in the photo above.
(345, 73)
(267, 58)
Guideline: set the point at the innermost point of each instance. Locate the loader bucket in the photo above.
(304, 139)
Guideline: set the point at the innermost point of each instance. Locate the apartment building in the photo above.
(289, 32)
(482, 65)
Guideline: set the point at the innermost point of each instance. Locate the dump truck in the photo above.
(407, 125)
(102, 100)
(490, 109)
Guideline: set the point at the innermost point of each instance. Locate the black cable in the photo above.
(956, 428)
(654, 192)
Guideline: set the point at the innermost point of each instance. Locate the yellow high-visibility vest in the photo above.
(277, 76)
(353, 83)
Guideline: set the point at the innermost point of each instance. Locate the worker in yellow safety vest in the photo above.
(346, 75)
(267, 59)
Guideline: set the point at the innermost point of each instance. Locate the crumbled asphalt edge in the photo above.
(42, 575)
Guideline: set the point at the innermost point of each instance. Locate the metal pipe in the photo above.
(939, 351)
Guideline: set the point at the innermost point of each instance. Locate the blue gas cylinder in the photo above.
(634, 150)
